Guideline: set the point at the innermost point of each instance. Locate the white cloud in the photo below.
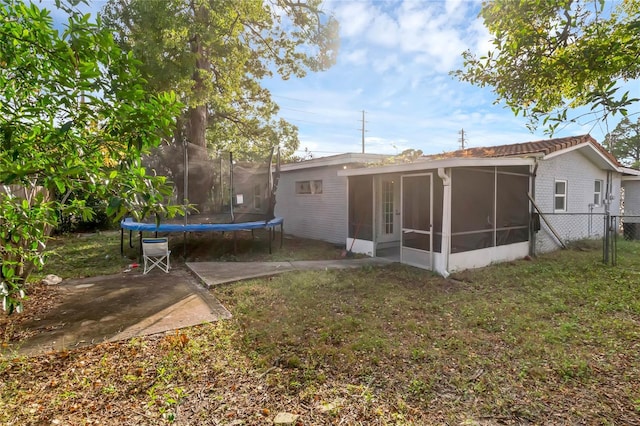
(481, 38)
(354, 17)
(429, 31)
(356, 57)
(384, 31)
(453, 6)
(382, 64)
(431, 34)
(394, 64)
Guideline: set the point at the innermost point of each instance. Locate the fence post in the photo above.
(614, 242)
(610, 242)
(605, 241)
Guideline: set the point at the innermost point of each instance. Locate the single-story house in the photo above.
(469, 208)
(461, 209)
(312, 198)
(631, 203)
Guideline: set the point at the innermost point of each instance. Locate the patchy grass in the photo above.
(550, 341)
(85, 255)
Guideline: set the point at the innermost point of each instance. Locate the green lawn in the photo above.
(555, 340)
(83, 255)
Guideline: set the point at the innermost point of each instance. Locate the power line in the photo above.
(298, 110)
(329, 126)
(305, 121)
(291, 99)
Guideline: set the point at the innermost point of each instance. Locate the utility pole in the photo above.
(461, 140)
(363, 131)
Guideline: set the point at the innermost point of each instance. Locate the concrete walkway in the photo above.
(216, 273)
(119, 307)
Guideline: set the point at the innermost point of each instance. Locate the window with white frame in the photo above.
(303, 187)
(597, 192)
(316, 187)
(560, 196)
(309, 187)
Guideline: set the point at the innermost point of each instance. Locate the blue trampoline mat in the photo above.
(130, 225)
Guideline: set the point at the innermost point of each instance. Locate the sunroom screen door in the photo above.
(417, 224)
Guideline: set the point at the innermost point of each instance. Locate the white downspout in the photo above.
(446, 218)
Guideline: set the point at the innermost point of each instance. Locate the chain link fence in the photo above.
(629, 226)
(593, 230)
(557, 230)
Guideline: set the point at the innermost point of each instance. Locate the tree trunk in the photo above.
(197, 114)
(198, 125)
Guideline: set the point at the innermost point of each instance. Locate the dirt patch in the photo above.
(41, 299)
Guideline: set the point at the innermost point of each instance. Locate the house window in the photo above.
(303, 187)
(597, 192)
(387, 206)
(316, 187)
(560, 197)
(257, 197)
(309, 187)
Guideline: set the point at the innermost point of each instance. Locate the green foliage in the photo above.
(624, 142)
(214, 55)
(74, 118)
(23, 235)
(549, 57)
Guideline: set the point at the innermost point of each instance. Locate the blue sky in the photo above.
(394, 63)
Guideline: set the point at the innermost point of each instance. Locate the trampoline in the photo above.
(130, 225)
(219, 193)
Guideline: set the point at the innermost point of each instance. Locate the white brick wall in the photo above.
(317, 216)
(580, 174)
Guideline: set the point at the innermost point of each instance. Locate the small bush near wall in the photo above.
(100, 221)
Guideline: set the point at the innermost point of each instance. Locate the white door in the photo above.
(417, 226)
(389, 213)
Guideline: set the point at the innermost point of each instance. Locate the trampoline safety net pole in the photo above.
(231, 186)
(185, 197)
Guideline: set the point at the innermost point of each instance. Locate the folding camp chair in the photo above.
(155, 252)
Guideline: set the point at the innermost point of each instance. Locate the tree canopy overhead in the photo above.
(549, 57)
(624, 142)
(214, 54)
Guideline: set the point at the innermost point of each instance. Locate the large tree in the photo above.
(624, 142)
(74, 119)
(549, 57)
(214, 54)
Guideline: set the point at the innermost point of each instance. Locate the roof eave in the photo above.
(629, 174)
(592, 153)
(442, 163)
(334, 160)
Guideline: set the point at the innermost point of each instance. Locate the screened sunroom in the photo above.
(442, 215)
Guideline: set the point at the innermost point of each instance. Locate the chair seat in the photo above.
(155, 253)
